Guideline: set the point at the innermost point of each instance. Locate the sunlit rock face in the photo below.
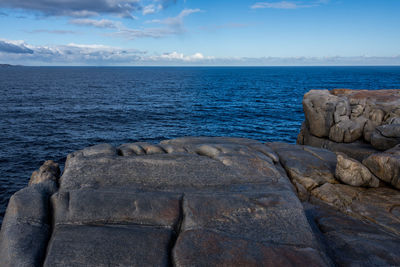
(347, 116)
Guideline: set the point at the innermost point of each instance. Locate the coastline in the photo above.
(202, 200)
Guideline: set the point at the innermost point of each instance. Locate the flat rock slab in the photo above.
(353, 242)
(110, 245)
(187, 202)
(136, 204)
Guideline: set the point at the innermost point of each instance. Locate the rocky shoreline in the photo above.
(331, 200)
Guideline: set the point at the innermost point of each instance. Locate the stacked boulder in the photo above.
(360, 125)
(359, 120)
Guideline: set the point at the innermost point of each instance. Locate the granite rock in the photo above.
(199, 202)
(352, 172)
(346, 116)
(386, 166)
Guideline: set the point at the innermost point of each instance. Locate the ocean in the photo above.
(48, 112)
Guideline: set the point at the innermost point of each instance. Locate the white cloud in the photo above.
(175, 56)
(169, 26)
(19, 52)
(103, 23)
(288, 4)
(14, 47)
(151, 9)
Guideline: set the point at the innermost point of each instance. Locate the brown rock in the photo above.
(352, 172)
(49, 171)
(310, 167)
(207, 248)
(386, 166)
(319, 107)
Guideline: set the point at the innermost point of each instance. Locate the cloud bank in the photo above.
(19, 52)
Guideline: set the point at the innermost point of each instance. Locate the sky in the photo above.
(199, 32)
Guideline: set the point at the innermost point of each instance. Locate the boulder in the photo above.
(386, 136)
(49, 171)
(376, 205)
(386, 166)
(358, 150)
(26, 228)
(352, 172)
(354, 242)
(347, 131)
(308, 166)
(319, 108)
(346, 116)
(198, 201)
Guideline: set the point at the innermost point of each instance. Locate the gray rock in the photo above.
(354, 242)
(386, 166)
(358, 150)
(26, 229)
(376, 205)
(131, 149)
(195, 201)
(48, 171)
(111, 245)
(386, 136)
(319, 108)
(375, 119)
(257, 217)
(95, 207)
(347, 130)
(351, 172)
(310, 167)
(207, 248)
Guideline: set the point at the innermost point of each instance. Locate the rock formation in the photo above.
(199, 201)
(355, 122)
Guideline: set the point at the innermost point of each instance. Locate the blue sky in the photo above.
(194, 32)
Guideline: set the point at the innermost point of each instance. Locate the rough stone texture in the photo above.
(200, 202)
(205, 248)
(111, 245)
(352, 172)
(308, 166)
(377, 205)
(386, 136)
(386, 166)
(358, 150)
(25, 229)
(353, 242)
(319, 108)
(90, 206)
(48, 171)
(345, 116)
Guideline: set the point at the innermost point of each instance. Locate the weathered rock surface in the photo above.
(386, 165)
(377, 205)
(352, 172)
(307, 167)
(26, 227)
(386, 136)
(199, 202)
(345, 116)
(353, 242)
(358, 150)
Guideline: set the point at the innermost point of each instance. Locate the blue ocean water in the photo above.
(48, 112)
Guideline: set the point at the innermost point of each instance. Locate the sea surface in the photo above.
(48, 112)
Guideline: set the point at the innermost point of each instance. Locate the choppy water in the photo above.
(48, 112)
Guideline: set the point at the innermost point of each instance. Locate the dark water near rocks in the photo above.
(48, 112)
